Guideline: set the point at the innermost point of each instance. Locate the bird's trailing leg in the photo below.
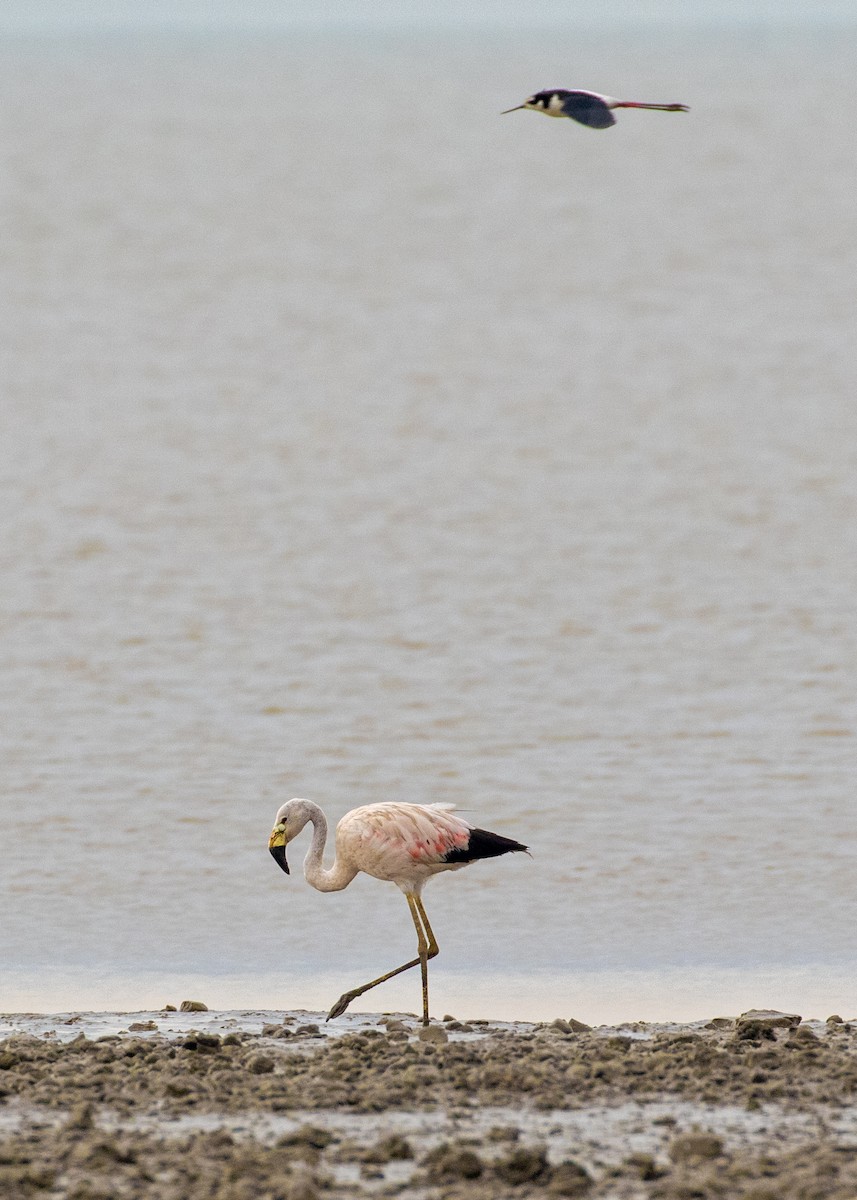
(656, 107)
(427, 948)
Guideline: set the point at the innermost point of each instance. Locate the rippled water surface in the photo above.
(360, 444)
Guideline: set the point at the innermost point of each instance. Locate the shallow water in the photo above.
(362, 450)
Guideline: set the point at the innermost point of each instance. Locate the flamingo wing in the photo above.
(400, 835)
(390, 840)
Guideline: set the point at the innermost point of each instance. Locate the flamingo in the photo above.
(405, 844)
(589, 108)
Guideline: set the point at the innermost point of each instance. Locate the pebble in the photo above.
(569, 1179)
(524, 1165)
(688, 1146)
(451, 1161)
(433, 1034)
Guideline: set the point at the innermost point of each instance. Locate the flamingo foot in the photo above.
(341, 1004)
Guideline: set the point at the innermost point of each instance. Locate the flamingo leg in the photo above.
(431, 949)
(427, 948)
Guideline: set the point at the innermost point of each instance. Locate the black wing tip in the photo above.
(484, 844)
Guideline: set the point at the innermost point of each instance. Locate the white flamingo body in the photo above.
(405, 844)
(402, 843)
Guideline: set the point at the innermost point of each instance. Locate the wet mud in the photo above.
(762, 1107)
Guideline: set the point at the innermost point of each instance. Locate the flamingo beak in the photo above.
(515, 109)
(277, 846)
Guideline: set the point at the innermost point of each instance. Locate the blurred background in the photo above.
(361, 444)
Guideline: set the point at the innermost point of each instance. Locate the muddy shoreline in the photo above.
(180, 1106)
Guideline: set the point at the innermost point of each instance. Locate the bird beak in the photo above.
(277, 846)
(515, 109)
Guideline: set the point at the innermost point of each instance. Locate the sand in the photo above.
(257, 1106)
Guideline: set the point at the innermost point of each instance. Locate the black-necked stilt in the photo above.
(589, 108)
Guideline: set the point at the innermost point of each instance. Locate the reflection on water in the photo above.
(358, 454)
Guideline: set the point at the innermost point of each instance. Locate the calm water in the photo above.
(360, 444)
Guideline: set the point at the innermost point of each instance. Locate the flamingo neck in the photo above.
(324, 879)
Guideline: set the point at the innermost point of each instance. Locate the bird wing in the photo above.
(409, 833)
(589, 109)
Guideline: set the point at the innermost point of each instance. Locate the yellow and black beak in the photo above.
(277, 846)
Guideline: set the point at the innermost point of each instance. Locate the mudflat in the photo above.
(232, 1106)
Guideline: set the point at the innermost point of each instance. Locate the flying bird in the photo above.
(589, 108)
(405, 844)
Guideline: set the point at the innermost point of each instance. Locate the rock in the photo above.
(751, 1032)
(720, 1023)
(834, 1020)
(26, 1179)
(503, 1133)
(302, 1188)
(81, 1117)
(451, 1161)
(177, 1088)
(689, 1146)
(560, 1025)
(308, 1138)
(644, 1166)
(193, 1006)
(803, 1034)
(142, 1026)
(86, 1189)
(392, 1148)
(578, 1026)
(770, 1018)
(433, 1034)
(569, 1179)
(168, 1008)
(761, 1023)
(524, 1165)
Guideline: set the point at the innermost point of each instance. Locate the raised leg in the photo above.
(426, 948)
